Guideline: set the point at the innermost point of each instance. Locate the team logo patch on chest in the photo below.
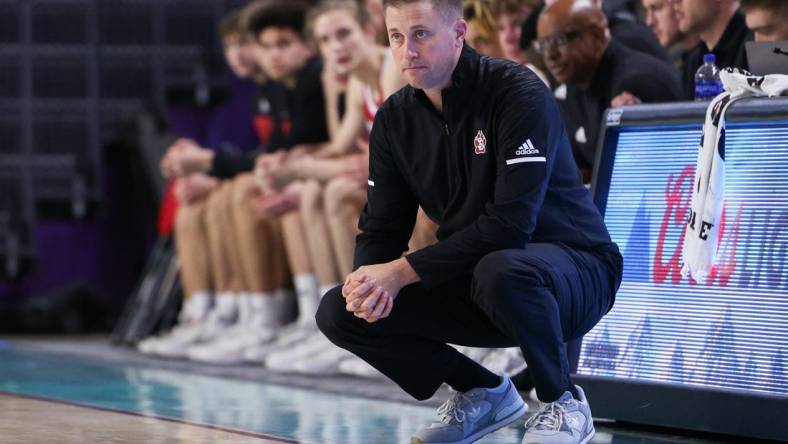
(480, 143)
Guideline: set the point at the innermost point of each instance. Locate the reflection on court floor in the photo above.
(98, 401)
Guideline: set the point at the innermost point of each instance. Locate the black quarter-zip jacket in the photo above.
(494, 170)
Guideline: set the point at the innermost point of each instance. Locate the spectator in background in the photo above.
(289, 112)
(289, 109)
(291, 116)
(625, 9)
(534, 59)
(722, 31)
(599, 72)
(624, 27)
(767, 19)
(661, 18)
(510, 15)
(219, 282)
(334, 177)
(374, 9)
(482, 28)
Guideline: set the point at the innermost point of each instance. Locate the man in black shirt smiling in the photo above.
(523, 257)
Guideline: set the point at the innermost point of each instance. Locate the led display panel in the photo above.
(729, 331)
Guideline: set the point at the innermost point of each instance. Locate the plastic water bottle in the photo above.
(707, 79)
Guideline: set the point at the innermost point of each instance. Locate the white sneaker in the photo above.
(224, 315)
(260, 317)
(356, 366)
(324, 363)
(194, 311)
(218, 320)
(286, 338)
(196, 307)
(150, 346)
(467, 417)
(283, 360)
(565, 421)
(175, 346)
(230, 349)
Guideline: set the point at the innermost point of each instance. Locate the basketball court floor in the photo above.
(85, 391)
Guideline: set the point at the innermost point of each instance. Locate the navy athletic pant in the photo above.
(536, 298)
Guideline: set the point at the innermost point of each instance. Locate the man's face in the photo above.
(238, 52)
(661, 18)
(424, 43)
(768, 25)
(694, 16)
(341, 40)
(509, 31)
(282, 52)
(569, 51)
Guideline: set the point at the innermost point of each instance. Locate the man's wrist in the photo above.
(407, 275)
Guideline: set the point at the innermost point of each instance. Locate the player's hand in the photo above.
(298, 151)
(274, 204)
(264, 167)
(194, 187)
(167, 163)
(334, 82)
(289, 171)
(185, 157)
(623, 99)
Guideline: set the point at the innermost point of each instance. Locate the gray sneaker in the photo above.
(468, 416)
(566, 421)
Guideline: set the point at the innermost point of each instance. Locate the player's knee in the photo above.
(334, 195)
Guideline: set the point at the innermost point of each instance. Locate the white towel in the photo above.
(702, 234)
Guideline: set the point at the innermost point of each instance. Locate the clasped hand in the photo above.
(370, 291)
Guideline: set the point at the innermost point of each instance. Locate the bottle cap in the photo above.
(709, 58)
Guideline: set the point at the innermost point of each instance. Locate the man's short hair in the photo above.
(501, 7)
(450, 9)
(288, 14)
(232, 24)
(771, 5)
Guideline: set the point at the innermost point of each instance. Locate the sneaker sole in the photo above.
(590, 435)
(485, 431)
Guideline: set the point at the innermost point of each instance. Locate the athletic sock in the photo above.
(307, 295)
(523, 381)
